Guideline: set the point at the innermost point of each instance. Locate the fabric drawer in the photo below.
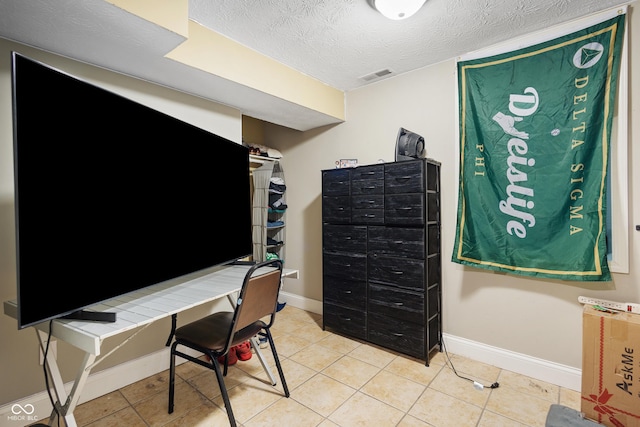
(404, 209)
(344, 238)
(396, 241)
(341, 266)
(405, 273)
(396, 303)
(405, 337)
(347, 320)
(352, 293)
(336, 182)
(336, 209)
(367, 172)
(404, 177)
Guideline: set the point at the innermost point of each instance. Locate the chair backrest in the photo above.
(259, 295)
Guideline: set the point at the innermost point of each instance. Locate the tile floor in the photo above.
(334, 381)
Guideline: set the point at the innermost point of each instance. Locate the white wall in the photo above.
(539, 320)
(20, 373)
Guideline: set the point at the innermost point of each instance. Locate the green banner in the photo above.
(535, 128)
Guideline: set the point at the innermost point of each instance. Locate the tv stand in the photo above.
(91, 316)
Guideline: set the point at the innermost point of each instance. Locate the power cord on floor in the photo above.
(476, 384)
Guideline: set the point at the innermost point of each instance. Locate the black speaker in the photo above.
(409, 146)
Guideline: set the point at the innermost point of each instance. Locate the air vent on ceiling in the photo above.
(377, 75)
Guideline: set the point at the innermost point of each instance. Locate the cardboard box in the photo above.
(611, 367)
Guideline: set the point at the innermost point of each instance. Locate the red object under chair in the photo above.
(233, 357)
(243, 351)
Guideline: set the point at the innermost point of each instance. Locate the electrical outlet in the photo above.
(53, 351)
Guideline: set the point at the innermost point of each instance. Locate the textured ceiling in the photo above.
(335, 41)
(340, 41)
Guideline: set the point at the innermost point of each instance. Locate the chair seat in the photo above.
(212, 331)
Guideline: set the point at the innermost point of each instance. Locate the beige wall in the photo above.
(19, 352)
(536, 318)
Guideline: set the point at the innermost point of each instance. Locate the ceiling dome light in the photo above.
(397, 9)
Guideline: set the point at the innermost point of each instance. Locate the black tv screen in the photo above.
(113, 196)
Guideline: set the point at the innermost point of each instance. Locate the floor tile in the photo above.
(449, 383)
(287, 345)
(204, 415)
(322, 394)
(251, 397)
(409, 421)
(373, 355)
(339, 344)
(316, 357)
(352, 372)
(530, 386)
(441, 410)
(154, 410)
(296, 374)
(361, 410)
(286, 412)
(124, 417)
(491, 419)
(570, 398)
(522, 407)
(100, 407)
(399, 392)
(413, 369)
(140, 390)
(334, 381)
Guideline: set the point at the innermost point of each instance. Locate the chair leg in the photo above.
(223, 391)
(172, 375)
(277, 360)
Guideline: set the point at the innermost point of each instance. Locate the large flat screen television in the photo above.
(112, 196)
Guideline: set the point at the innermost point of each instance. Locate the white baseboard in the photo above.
(540, 369)
(111, 379)
(303, 303)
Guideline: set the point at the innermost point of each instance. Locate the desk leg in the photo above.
(58, 389)
(263, 362)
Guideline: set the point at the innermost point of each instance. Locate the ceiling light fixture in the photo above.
(397, 9)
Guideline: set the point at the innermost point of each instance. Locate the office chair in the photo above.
(214, 335)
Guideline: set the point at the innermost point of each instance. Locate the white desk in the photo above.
(137, 309)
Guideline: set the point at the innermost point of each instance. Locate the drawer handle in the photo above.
(347, 238)
(398, 334)
(347, 292)
(398, 242)
(399, 304)
(348, 319)
(408, 208)
(370, 215)
(371, 187)
(399, 273)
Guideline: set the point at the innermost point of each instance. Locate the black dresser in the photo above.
(381, 254)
